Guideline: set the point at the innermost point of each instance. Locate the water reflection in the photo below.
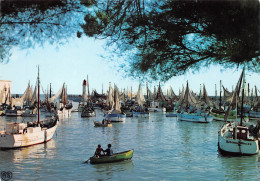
(240, 167)
(45, 150)
(164, 149)
(109, 170)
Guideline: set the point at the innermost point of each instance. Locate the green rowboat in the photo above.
(117, 157)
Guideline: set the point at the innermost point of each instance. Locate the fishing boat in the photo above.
(17, 111)
(171, 115)
(117, 157)
(60, 100)
(99, 124)
(115, 115)
(198, 117)
(18, 135)
(239, 138)
(88, 111)
(253, 114)
(155, 104)
(29, 112)
(219, 116)
(191, 109)
(127, 110)
(140, 110)
(234, 139)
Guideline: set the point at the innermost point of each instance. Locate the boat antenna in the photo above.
(38, 107)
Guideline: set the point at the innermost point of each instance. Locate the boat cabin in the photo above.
(15, 128)
(241, 132)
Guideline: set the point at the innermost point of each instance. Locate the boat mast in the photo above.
(50, 90)
(158, 95)
(131, 95)
(242, 107)
(88, 88)
(147, 92)
(220, 96)
(215, 92)
(38, 107)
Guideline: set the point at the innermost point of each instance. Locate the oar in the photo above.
(86, 161)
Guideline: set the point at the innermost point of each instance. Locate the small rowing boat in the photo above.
(117, 157)
(99, 124)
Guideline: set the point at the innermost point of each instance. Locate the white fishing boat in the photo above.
(60, 99)
(155, 107)
(18, 135)
(140, 110)
(116, 114)
(239, 138)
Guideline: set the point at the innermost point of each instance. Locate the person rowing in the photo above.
(98, 151)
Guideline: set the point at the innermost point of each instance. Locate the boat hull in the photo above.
(194, 118)
(254, 115)
(34, 135)
(64, 113)
(98, 124)
(171, 115)
(88, 114)
(154, 109)
(116, 117)
(220, 117)
(13, 113)
(141, 114)
(231, 146)
(122, 156)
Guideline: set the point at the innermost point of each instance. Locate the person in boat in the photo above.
(98, 151)
(104, 121)
(109, 151)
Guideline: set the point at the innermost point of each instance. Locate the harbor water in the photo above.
(164, 149)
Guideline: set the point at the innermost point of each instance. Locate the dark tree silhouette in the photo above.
(166, 38)
(25, 24)
(159, 39)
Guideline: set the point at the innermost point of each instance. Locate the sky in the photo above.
(73, 62)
